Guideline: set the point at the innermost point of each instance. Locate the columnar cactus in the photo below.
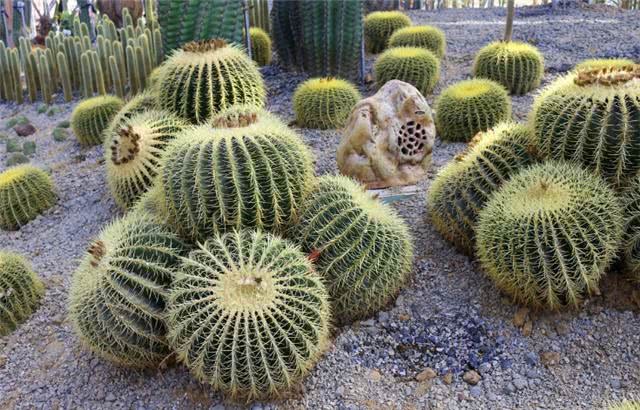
(361, 247)
(324, 102)
(462, 188)
(248, 314)
(519, 67)
(431, 38)
(471, 106)
(135, 150)
(254, 174)
(260, 46)
(592, 117)
(206, 77)
(548, 235)
(20, 291)
(25, 192)
(92, 116)
(119, 292)
(416, 66)
(379, 26)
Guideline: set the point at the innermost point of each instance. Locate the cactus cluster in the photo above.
(379, 26)
(20, 291)
(591, 117)
(548, 235)
(248, 314)
(324, 102)
(25, 192)
(91, 118)
(519, 67)
(471, 106)
(135, 151)
(416, 66)
(428, 37)
(119, 292)
(360, 247)
(462, 188)
(260, 46)
(206, 77)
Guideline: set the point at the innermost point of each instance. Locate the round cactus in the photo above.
(471, 106)
(260, 46)
(145, 101)
(119, 292)
(428, 37)
(254, 174)
(20, 291)
(631, 244)
(360, 246)
(593, 117)
(248, 314)
(25, 192)
(206, 77)
(599, 63)
(519, 67)
(324, 102)
(151, 203)
(416, 66)
(462, 188)
(547, 236)
(92, 116)
(625, 405)
(379, 26)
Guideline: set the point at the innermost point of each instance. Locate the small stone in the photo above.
(562, 328)
(531, 358)
(510, 388)
(375, 376)
(3, 361)
(24, 130)
(491, 397)
(520, 317)
(423, 388)
(485, 367)
(475, 391)
(404, 317)
(472, 377)
(527, 328)
(426, 374)
(550, 358)
(447, 378)
(615, 384)
(219, 406)
(367, 323)
(383, 317)
(340, 391)
(110, 397)
(519, 383)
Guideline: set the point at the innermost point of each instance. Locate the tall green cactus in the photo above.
(65, 77)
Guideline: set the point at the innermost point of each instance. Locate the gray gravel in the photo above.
(450, 318)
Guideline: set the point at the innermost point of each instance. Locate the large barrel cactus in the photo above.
(20, 291)
(92, 116)
(360, 246)
(379, 26)
(25, 192)
(548, 235)
(462, 188)
(119, 292)
(208, 76)
(431, 38)
(248, 314)
(631, 244)
(324, 102)
(142, 102)
(416, 66)
(593, 117)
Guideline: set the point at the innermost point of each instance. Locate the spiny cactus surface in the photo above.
(324, 102)
(25, 192)
(599, 63)
(260, 46)
(379, 26)
(416, 66)
(631, 244)
(145, 101)
(91, 118)
(428, 37)
(20, 291)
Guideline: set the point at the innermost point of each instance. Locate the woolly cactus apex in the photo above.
(548, 235)
(592, 117)
(519, 67)
(471, 106)
(361, 248)
(260, 46)
(631, 244)
(599, 63)
(428, 37)
(248, 314)
(25, 192)
(20, 291)
(91, 118)
(416, 66)
(324, 102)
(249, 176)
(206, 77)
(379, 26)
(135, 150)
(119, 292)
(462, 188)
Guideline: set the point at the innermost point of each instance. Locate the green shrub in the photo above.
(64, 124)
(60, 134)
(428, 37)
(92, 116)
(324, 102)
(20, 291)
(379, 26)
(13, 145)
(416, 66)
(25, 192)
(260, 46)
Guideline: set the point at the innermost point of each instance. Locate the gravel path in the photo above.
(449, 319)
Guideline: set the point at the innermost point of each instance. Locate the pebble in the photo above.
(471, 377)
(475, 391)
(426, 374)
(519, 383)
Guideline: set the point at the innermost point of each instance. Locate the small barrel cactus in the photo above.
(20, 291)
(593, 117)
(631, 244)
(248, 314)
(471, 106)
(379, 26)
(251, 172)
(600, 63)
(92, 116)
(206, 77)
(361, 247)
(428, 37)
(464, 185)
(416, 66)
(260, 46)
(547, 236)
(119, 292)
(519, 67)
(134, 155)
(324, 102)
(25, 192)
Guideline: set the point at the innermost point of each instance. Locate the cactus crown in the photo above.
(13, 174)
(126, 146)
(203, 46)
(603, 63)
(469, 89)
(607, 76)
(239, 116)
